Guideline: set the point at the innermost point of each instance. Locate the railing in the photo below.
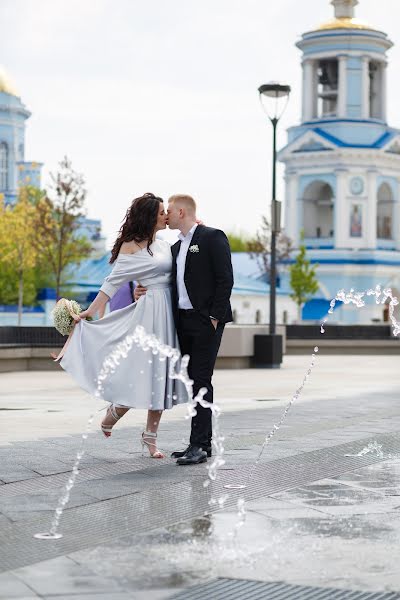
(319, 242)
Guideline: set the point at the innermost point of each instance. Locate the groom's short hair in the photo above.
(184, 201)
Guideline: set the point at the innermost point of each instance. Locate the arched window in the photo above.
(318, 210)
(3, 166)
(384, 213)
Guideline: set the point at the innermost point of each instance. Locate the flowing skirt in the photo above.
(141, 379)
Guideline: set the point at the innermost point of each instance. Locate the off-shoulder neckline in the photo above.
(139, 251)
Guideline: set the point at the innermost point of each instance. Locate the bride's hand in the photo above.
(83, 315)
(139, 291)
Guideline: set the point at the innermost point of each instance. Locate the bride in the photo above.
(141, 380)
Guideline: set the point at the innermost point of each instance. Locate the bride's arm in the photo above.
(122, 272)
(98, 305)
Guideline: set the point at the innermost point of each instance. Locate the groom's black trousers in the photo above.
(198, 338)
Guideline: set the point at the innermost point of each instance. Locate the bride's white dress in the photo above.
(141, 380)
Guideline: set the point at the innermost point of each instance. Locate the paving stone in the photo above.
(12, 587)
(16, 473)
(17, 508)
(99, 596)
(135, 495)
(64, 576)
(118, 485)
(46, 466)
(278, 509)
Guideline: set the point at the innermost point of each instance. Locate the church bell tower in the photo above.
(342, 162)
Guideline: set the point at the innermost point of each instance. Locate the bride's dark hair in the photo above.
(139, 223)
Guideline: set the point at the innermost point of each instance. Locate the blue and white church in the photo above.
(15, 171)
(342, 164)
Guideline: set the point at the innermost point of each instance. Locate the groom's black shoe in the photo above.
(179, 454)
(194, 456)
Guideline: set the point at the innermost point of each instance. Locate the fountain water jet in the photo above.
(146, 342)
(352, 297)
(150, 342)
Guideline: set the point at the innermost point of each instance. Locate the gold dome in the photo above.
(6, 85)
(344, 23)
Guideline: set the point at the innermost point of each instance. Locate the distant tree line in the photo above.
(38, 237)
(302, 275)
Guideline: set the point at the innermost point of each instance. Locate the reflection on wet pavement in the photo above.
(307, 535)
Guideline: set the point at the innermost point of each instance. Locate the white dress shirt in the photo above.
(183, 297)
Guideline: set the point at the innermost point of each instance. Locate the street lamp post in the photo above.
(268, 349)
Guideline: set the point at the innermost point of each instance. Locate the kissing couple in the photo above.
(182, 298)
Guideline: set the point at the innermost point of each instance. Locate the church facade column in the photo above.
(308, 91)
(372, 208)
(365, 103)
(342, 86)
(341, 213)
(291, 206)
(383, 90)
(396, 216)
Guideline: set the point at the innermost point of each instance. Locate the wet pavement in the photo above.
(318, 511)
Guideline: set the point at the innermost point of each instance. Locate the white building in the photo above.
(342, 164)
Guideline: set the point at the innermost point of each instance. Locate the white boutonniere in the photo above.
(194, 248)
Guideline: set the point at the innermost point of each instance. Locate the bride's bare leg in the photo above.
(153, 421)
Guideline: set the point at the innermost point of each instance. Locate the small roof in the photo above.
(344, 17)
(344, 23)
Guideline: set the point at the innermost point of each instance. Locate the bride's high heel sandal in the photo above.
(111, 410)
(151, 445)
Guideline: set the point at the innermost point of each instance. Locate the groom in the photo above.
(202, 281)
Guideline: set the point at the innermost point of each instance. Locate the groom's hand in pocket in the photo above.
(214, 322)
(139, 291)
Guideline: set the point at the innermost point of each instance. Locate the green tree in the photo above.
(9, 284)
(238, 242)
(18, 255)
(42, 274)
(57, 220)
(303, 279)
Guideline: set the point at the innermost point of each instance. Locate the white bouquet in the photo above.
(62, 318)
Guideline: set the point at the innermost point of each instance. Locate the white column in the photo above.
(304, 89)
(365, 108)
(383, 90)
(308, 91)
(342, 91)
(396, 216)
(344, 8)
(341, 218)
(314, 89)
(291, 209)
(372, 207)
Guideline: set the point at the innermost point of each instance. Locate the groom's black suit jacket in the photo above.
(208, 274)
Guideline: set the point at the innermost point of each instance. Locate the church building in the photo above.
(14, 170)
(342, 164)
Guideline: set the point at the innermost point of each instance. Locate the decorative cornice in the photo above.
(17, 110)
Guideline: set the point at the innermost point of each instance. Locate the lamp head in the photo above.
(274, 98)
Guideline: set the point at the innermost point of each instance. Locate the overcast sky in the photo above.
(161, 95)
